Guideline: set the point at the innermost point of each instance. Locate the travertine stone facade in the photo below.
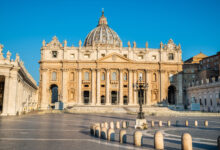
(207, 93)
(102, 71)
(18, 90)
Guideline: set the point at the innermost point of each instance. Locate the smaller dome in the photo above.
(102, 35)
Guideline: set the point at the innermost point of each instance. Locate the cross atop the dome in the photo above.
(102, 19)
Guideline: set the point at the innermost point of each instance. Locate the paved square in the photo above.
(71, 131)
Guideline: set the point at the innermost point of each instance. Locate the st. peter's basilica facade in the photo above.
(102, 72)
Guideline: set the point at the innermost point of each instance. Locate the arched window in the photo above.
(205, 102)
(114, 76)
(211, 102)
(154, 77)
(54, 76)
(103, 76)
(125, 77)
(200, 102)
(86, 76)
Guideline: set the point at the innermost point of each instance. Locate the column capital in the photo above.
(107, 69)
(78, 69)
(98, 69)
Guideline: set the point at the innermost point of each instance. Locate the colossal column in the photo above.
(135, 92)
(64, 85)
(79, 86)
(120, 87)
(98, 87)
(93, 87)
(44, 98)
(107, 87)
(130, 88)
(148, 80)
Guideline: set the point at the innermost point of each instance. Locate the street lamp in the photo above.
(140, 87)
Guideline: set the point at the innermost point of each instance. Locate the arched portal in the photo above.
(114, 97)
(2, 84)
(172, 94)
(54, 93)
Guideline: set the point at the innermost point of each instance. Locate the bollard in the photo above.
(168, 123)
(152, 123)
(138, 140)
(160, 123)
(186, 141)
(112, 125)
(117, 125)
(124, 124)
(158, 141)
(186, 123)
(206, 123)
(122, 136)
(196, 123)
(97, 132)
(218, 142)
(111, 135)
(106, 125)
(104, 133)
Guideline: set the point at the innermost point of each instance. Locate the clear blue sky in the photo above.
(195, 24)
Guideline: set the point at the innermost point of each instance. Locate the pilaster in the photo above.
(120, 87)
(130, 102)
(98, 87)
(107, 87)
(93, 87)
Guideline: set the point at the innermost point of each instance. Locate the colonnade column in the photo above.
(5, 99)
(107, 87)
(93, 87)
(130, 90)
(98, 87)
(135, 92)
(120, 87)
(79, 86)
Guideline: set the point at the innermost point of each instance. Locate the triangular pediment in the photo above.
(114, 57)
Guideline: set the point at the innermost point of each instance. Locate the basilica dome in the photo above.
(102, 35)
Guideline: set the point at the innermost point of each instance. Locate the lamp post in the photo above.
(140, 87)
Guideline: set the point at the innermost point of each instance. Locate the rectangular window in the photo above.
(154, 57)
(72, 56)
(171, 56)
(54, 76)
(103, 55)
(86, 76)
(86, 85)
(140, 57)
(125, 86)
(125, 55)
(114, 76)
(87, 56)
(102, 85)
(54, 54)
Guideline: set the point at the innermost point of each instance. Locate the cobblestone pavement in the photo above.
(71, 131)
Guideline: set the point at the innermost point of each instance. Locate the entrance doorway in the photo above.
(125, 100)
(2, 84)
(172, 95)
(102, 99)
(54, 93)
(114, 97)
(86, 97)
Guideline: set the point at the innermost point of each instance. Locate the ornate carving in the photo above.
(146, 44)
(65, 43)
(43, 43)
(1, 48)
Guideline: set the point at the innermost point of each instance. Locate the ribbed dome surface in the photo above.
(102, 35)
